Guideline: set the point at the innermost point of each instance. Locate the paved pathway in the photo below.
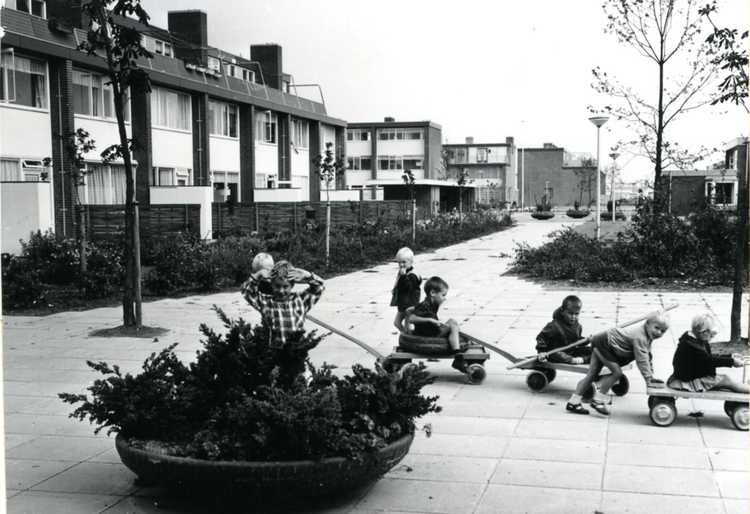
(495, 447)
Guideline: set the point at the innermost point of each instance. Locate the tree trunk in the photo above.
(413, 221)
(740, 251)
(328, 233)
(659, 186)
(82, 242)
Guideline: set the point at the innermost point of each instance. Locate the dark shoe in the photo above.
(576, 408)
(600, 407)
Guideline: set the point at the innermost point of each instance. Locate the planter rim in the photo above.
(122, 442)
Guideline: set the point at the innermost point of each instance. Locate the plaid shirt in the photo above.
(287, 316)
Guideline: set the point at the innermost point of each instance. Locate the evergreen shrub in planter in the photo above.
(247, 417)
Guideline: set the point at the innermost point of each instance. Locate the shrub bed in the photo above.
(47, 275)
(656, 245)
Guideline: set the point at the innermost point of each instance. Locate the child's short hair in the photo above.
(434, 284)
(405, 253)
(261, 260)
(660, 317)
(703, 321)
(281, 270)
(570, 300)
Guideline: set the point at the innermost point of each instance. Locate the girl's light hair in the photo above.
(703, 321)
(405, 253)
(660, 317)
(262, 261)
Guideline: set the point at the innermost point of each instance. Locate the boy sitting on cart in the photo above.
(563, 330)
(424, 315)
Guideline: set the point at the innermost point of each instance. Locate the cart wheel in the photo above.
(729, 407)
(550, 373)
(588, 394)
(651, 401)
(622, 386)
(536, 380)
(739, 417)
(476, 373)
(663, 412)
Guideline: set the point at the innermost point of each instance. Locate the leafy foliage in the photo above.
(656, 245)
(242, 400)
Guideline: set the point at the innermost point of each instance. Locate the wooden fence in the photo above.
(107, 221)
(273, 217)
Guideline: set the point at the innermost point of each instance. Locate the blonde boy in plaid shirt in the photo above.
(284, 310)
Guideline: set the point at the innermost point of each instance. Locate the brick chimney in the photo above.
(469, 140)
(190, 26)
(389, 119)
(509, 140)
(269, 57)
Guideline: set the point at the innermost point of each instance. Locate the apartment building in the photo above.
(379, 153)
(489, 166)
(215, 126)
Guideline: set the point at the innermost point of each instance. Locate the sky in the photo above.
(487, 69)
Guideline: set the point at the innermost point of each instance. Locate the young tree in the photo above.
(80, 144)
(731, 56)
(664, 32)
(121, 48)
(328, 168)
(409, 181)
(463, 179)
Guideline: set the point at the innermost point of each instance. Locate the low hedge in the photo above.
(655, 245)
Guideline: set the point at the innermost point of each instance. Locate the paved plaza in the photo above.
(494, 448)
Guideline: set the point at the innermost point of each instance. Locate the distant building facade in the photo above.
(565, 177)
(491, 167)
(379, 153)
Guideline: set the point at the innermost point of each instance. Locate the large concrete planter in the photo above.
(577, 214)
(279, 479)
(542, 215)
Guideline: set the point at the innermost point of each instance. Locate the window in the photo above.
(265, 127)
(35, 7)
(724, 193)
(390, 162)
(300, 134)
(399, 134)
(222, 119)
(357, 135)
(92, 96)
(22, 170)
(482, 154)
(214, 64)
(162, 176)
(103, 185)
(412, 163)
(23, 80)
(248, 75)
(163, 48)
(170, 109)
(359, 163)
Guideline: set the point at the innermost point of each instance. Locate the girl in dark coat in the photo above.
(695, 366)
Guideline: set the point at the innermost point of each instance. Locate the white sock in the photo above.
(575, 398)
(601, 397)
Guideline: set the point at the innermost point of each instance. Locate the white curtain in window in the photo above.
(118, 184)
(96, 184)
(9, 170)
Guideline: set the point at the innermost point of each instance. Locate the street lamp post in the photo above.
(598, 121)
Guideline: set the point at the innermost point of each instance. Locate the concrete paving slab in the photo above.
(657, 455)
(24, 474)
(422, 496)
(513, 499)
(733, 484)
(729, 459)
(444, 468)
(676, 435)
(37, 502)
(632, 503)
(564, 430)
(91, 478)
(60, 448)
(459, 445)
(642, 479)
(555, 450)
(736, 506)
(539, 473)
(466, 425)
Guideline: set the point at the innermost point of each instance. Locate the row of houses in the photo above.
(219, 127)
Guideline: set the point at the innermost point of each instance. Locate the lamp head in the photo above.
(599, 120)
